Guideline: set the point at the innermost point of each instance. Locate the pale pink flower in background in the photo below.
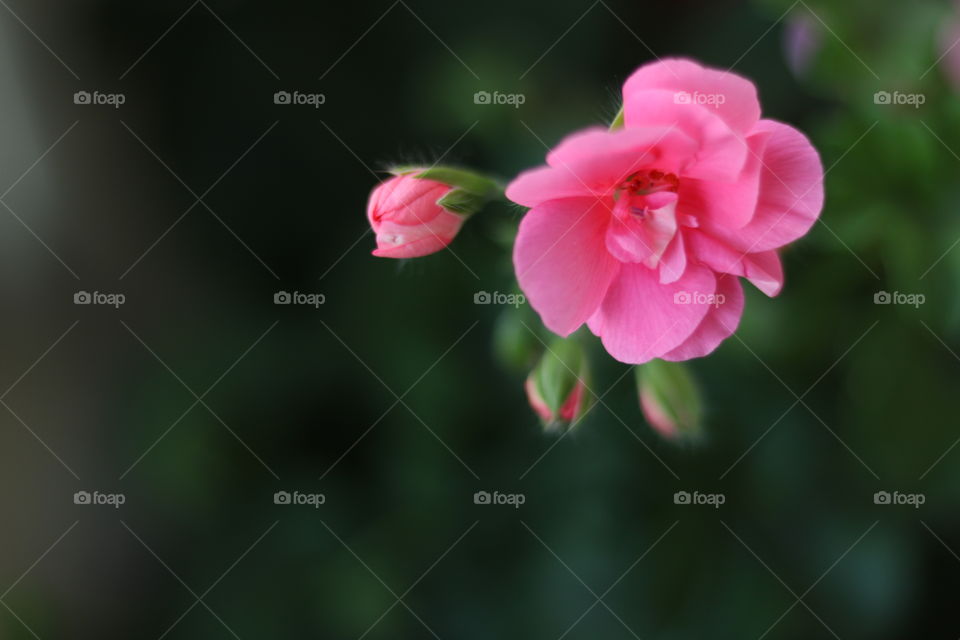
(407, 220)
(642, 232)
(802, 38)
(949, 45)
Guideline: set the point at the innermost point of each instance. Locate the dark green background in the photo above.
(799, 518)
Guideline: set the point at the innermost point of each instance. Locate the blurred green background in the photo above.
(199, 399)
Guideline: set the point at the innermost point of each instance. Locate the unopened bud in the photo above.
(557, 388)
(419, 211)
(670, 399)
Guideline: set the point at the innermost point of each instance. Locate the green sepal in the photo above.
(514, 344)
(558, 373)
(617, 121)
(460, 178)
(461, 202)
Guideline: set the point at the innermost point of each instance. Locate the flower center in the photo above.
(644, 217)
(643, 183)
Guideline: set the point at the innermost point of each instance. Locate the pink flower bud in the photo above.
(656, 414)
(556, 388)
(569, 411)
(670, 399)
(404, 213)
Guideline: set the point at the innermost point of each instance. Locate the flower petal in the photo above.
(406, 200)
(595, 161)
(626, 150)
(641, 319)
(718, 325)
(790, 197)
(721, 151)
(765, 271)
(763, 268)
(535, 186)
(674, 262)
(562, 263)
(733, 97)
(641, 228)
(731, 204)
(395, 240)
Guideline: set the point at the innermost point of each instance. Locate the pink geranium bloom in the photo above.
(404, 214)
(642, 232)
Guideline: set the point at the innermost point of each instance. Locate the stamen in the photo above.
(650, 181)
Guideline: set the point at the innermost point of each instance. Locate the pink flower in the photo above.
(404, 213)
(642, 232)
